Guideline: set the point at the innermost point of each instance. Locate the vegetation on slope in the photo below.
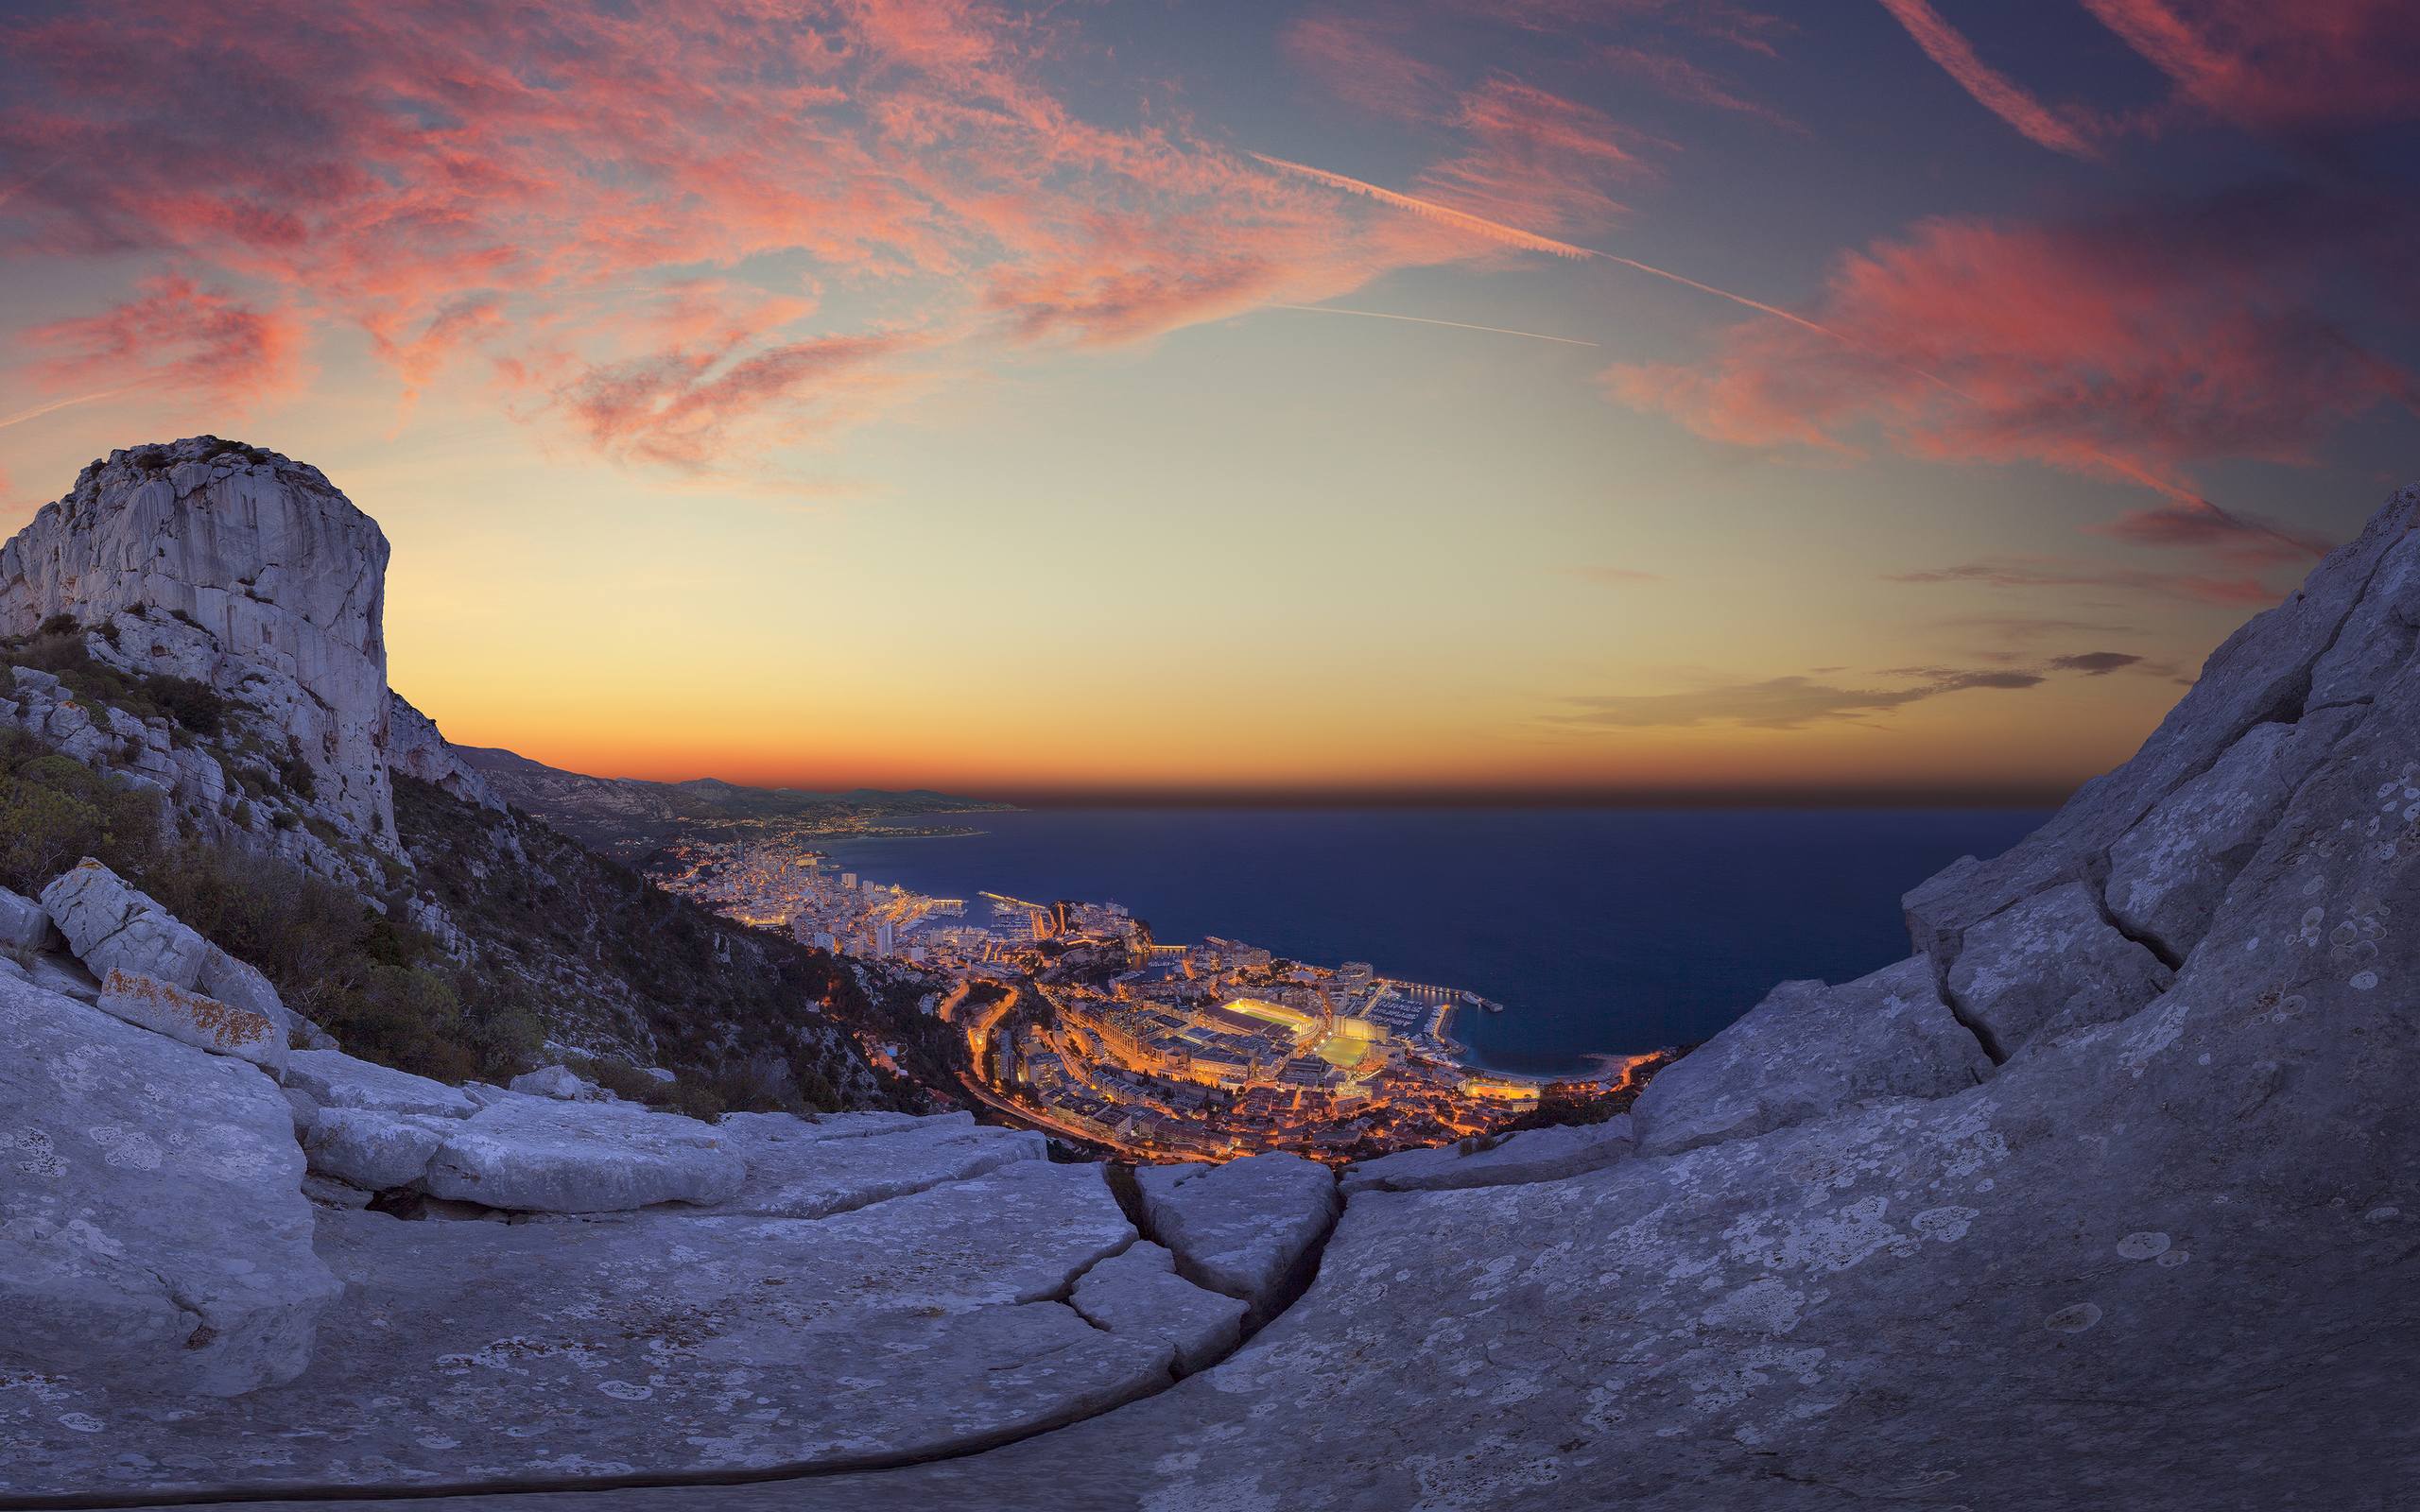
(744, 1018)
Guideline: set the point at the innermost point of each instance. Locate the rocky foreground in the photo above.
(2109, 1196)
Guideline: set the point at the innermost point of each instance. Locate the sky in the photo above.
(1872, 401)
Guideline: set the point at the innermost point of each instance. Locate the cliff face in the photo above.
(240, 569)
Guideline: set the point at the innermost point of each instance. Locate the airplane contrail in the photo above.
(1495, 231)
(39, 410)
(1421, 319)
(1514, 236)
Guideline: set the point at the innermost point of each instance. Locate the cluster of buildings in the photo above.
(1097, 1031)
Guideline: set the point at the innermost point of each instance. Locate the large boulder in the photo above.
(24, 925)
(152, 1232)
(120, 932)
(112, 926)
(1249, 1227)
(1808, 1051)
(375, 1152)
(559, 1082)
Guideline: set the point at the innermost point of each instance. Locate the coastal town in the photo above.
(1078, 1022)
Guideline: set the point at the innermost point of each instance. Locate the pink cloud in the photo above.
(2131, 348)
(1993, 90)
(1362, 59)
(608, 208)
(179, 336)
(2314, 63)
(1536, 159)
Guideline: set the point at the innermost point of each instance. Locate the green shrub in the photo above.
(54, 810)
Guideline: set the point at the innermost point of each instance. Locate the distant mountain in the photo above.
(629, 812)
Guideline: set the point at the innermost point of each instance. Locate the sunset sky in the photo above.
(1879, 399)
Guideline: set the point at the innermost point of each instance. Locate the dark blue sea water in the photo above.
(1600, 929)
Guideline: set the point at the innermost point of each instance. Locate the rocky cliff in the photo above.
(198, 625)
(2105, 1196)
(235, 568)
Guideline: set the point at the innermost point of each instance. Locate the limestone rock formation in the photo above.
(1808, 1051)
(158, 972)
(151, 1225)
(1138, 1294)
(238, 568)
(334, 1079)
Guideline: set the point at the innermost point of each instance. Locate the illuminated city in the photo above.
(1079, 1023)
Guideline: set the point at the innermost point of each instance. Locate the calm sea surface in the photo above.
(1601, 931)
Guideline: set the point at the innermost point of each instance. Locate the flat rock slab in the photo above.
(1808, 1051)
(1139, 1295)
(537, 1155)
(651, 1344)
(334, 1079)
(152, 1227)
(194, 1019)
(1532, 1155)
(801, 1169)
(1244, 1228)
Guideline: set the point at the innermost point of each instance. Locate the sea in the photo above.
(1600, 930)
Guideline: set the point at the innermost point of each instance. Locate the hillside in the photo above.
(630, 815)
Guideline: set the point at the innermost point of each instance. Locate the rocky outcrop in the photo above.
(1137, 1294)
(416, 748)
(1247, 1229)
(151, 1225)
(240, 569)
(1808, 1051)
(158, 972)
(800, 1170)
(334, 1079)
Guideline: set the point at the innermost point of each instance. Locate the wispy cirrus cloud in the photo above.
(1993, 90)
(179, 335)
(1775, 703)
